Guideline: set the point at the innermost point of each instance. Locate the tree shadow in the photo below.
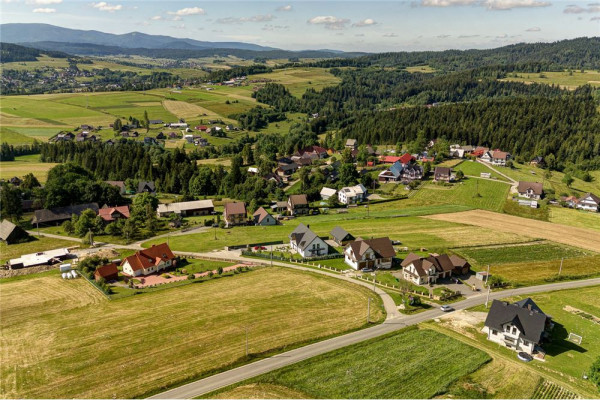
(559, 342)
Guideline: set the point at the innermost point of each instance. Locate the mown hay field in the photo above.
(63, 339)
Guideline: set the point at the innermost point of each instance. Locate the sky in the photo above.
(371, 26)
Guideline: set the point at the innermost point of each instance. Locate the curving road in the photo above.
(394, 323)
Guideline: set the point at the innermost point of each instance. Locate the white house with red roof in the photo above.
(148, 261)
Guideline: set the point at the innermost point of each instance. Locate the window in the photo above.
(514, 330)
(494, 332)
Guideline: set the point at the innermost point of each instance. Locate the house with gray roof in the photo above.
(307, 243)
(11, 233)
(520, 326)
(60, 214)
(341, 236)
(427, 270)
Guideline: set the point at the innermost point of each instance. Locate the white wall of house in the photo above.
(146, 271)
(268, 220)
(509, 337)
(316, 248)
(587, 204)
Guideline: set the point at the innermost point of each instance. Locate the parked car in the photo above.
(457, 281)
(446, 308)
(524, 356)
(260, 248)
(366, 270)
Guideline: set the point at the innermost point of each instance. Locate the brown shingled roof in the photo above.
(143, 259)
(235, 208)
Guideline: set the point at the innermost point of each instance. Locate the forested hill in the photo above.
(574, 53)
(11, 52)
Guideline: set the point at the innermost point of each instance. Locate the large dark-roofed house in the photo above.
(341, 236)
(520, 326)
(61, 214)
(371, 253)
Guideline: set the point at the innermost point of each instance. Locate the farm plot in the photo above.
(23, 165)
(577, 237)
(565, 79)
(378, 369)
(64, 348)
(297, 80)
(578, 218)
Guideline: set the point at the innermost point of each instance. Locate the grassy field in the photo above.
(297, 80)
(577, 237)
(36, 245)
(492, 194)
(23, 165)
(565, 79)
(521, 253)
(377, 368)
(65, 348)
(11, 136)
(474, 169)
(425, 69)
(578, 218)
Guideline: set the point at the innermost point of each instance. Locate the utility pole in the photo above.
(215, 230)
(487, 298)
(38, 227)
(368, 309)
(561, 264)
(246, 340)
(271, 255)
(487, 276)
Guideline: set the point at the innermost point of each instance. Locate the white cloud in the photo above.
(365, 22)
(392, 35)
(447, 3)
(188, 11)
(285, 8)
(442, 36)
(467, 36)
(510, 4)
(330, 22)
(595, 19)
(269, 27)
(104, 6)
(156, 18)
(534, 29)
(574, 9)
(43, 2)
(241, 20)
(44, 10)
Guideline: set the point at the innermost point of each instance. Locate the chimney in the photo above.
(308, 226)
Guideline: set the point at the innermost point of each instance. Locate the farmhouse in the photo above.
(442, 174)
(186, 208)
(372, 253)
(297, 204)
(306, 243)
(108, 272)
(499, 157)
(61, 214)
(234, 214)
(531, 190)
(11, 233)
(316, 151)
(148, 261)
(286, 170)
(146, 187)
(110, 214)
(263, 218)
(520, 326)
(351, 144)
(341, 236)
(326, 193)
(538, 162)
(399, 172)
(427, 270)
(352, 194)
(41, 258)
(589, 202)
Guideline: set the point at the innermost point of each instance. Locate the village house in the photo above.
(58, 215)
(263, 218)
(326, 193)
(520, 326)
(589, 202)
(186, 208)
(443, 174)
(427, 270)
(273, 177)
(235, 214)
(155, 122)
(538, 162)
(352, 194)
(371, 253)
(119, 184)
(297, 204)
(496, 157)
(314, 152)
(11, 233)
(399, 172)
(306, 243)
(286, 170)
(351, 144)
(148, 261)
(146, 187)
(341, 236)
(531, 190)
(110, 214)
(570, 201)
(479, 151)
(108, 272)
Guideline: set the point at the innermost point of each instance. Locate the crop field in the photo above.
(297, 80)
(11, 136)
(22, 165)
(578, 218)
(577, 237)
(413, 232)
(522, 253)
(474, 168)
(424, 69)
(65, 348)
(38, 244)
(492, 194)
(376, 369)
(565, 79)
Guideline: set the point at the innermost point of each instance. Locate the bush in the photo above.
(595, 373)
(191, 277)
(220, 270)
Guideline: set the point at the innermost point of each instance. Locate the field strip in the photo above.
(181, 109)
(577, 237)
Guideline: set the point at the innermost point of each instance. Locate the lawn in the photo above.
(572, 217)
(409, 364)
(60, 337)
(521, 253)
(474, 168)
(492, 194)
(11, 136)
(565, 79)
(9, 251)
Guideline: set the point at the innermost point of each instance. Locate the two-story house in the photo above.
(307, 243)
(589, 202)
(500, 158)
(520, 326)
(235, 214)
(148, 261)
(427, 270)
(297, 204)
(352, 194)
(371, 253)
(531, 190)
(263, 218)
(442, 174)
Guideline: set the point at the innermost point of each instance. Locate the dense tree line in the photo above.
(8, 152)
(258, 117)
(12, 52)
(227, 74)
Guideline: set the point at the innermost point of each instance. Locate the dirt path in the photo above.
(498, 172)
(577, 237)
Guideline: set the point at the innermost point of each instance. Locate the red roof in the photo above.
(479, 151)
(389, 159)
(406, 158)
(106, 213)
(201, 128)
(313, 149)
(107, 271)
(146, 258)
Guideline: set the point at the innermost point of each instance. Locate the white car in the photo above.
(446, 308)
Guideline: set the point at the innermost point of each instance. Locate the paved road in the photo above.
(72, 239)
(265, 365)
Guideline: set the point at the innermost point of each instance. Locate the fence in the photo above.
(247, 246)
(281, 258)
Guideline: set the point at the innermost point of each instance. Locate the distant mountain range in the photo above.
(32, 33)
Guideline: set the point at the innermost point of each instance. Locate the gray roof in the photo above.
(531, 322)
(10, 232)
(340, 234)
(177, 208)
(62, 213)
(303, 236)
(143, 184)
